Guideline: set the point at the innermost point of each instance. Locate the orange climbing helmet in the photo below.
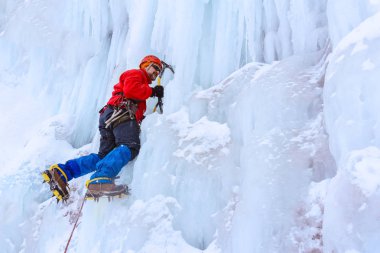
(150, 59)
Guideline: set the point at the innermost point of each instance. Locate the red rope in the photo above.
(75, 225)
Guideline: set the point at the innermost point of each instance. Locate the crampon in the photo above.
(58, 186)
(105, 187)
(95, 193)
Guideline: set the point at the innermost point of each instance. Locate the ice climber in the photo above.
(119, 126)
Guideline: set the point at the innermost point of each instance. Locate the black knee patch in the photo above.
(134, 152)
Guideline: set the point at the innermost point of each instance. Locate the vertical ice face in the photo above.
(351, 90)
(343, 16)
(55, 50)
(71, 54)
(223, 170)
(351, 97)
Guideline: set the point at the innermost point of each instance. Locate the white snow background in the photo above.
(269, 141)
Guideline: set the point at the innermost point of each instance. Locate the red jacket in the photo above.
(133, 84)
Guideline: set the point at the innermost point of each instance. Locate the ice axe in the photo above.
(159, 102)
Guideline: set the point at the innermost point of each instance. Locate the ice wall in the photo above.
(64, 58)
(344, 16)
(227, 167)
(70, 54)
(279, 155)
(54, 51)
(352, 121)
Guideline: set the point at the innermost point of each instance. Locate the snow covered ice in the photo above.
(269, 141)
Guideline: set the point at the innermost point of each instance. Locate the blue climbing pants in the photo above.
(118, 145)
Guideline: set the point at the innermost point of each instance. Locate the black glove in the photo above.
(158, 91)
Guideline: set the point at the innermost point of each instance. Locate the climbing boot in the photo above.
(57, 180)
(107, 189)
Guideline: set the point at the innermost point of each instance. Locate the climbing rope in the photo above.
(75, 225)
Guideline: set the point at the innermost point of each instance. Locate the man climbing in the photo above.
(119, 126)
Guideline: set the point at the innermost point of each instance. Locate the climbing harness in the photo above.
(159, 104)
(125, 111)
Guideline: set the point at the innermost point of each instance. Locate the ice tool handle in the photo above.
(159, 101)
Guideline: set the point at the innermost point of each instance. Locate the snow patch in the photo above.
(368, 65)
(200, 140)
